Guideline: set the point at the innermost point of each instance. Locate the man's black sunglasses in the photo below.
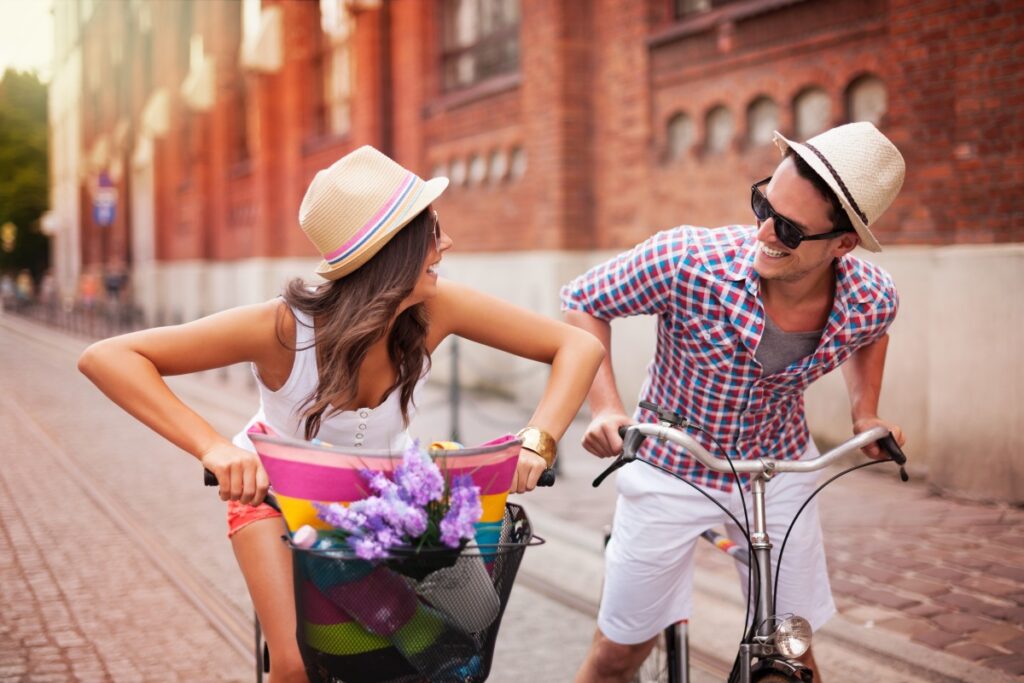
(789, 232)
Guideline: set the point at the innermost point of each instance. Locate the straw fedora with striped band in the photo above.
(862, 167)
(353, 207)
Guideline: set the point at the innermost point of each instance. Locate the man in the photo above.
(747, 318)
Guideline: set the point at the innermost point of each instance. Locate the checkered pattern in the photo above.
(702, 286)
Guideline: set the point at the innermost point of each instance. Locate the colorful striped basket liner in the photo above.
(302, 473)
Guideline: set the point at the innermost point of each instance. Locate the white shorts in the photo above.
(658, 520)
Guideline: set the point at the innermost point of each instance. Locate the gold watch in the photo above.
(540, 442)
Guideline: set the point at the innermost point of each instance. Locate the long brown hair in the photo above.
(353, 313)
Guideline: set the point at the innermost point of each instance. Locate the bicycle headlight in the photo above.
(792, 637)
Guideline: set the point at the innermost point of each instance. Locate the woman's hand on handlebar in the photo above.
(528, 471)
(602, 436)
(873, 450)
(239, 473)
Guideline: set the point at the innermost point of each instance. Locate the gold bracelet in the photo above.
(540, 442)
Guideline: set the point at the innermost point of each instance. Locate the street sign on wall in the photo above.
(104, 201)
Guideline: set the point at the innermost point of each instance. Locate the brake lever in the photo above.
(628, 454)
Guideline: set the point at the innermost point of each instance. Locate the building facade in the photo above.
(570, 129)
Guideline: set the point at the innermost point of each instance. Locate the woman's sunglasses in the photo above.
(790, 233)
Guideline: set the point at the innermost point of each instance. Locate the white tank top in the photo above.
(378, 428)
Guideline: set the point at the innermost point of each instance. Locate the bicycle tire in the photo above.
(776, 677)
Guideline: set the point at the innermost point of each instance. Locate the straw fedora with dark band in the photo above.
(863, 168)
(356, 205)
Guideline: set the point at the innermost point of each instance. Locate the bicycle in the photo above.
(421, 614)
(771, 644)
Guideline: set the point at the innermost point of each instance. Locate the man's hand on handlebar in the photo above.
(602, 436)
(873, 450)
(240, 474)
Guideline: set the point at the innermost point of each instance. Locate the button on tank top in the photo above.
(378, 428)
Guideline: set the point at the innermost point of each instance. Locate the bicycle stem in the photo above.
(762, 547)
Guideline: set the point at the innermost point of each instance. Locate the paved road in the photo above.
(114, 564)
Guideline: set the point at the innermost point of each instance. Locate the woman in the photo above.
(340, 361)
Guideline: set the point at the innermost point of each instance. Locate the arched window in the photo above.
(719, 129)
(762, 121)
(812, 111)
(458, 171)
(866, 99)
(678, 135)
(517, 163)
(498, 166)
(477, 169)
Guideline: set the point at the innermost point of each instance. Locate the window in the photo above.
(458, 171)
(720, 127)
(477, 170)
(517, 164)
(812, 109)
(678, 136)
(480, 40)
(866, 99)
(331, 70)
(498, 166)
(762, 121)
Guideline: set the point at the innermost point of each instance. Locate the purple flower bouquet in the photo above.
(418, 519)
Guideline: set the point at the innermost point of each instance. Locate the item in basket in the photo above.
(304, 537)
(381, 604)
(464, 592)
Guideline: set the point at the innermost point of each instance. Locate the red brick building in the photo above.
(567, 126)
(628, 116)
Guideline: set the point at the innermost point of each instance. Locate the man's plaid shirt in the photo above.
(702, 286)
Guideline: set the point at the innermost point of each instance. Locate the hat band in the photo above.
(839, 181)
(374, 225)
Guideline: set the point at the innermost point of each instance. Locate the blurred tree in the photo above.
(24, 170)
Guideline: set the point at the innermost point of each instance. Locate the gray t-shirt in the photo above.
(779, 349)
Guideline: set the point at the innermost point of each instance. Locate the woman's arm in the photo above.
(129, 369)
(574, 356)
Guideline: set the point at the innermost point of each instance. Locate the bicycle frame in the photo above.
(761, 471)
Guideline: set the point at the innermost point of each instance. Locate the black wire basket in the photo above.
(428, 614)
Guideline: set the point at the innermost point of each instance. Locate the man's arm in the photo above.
(608, 414)
(863, 375)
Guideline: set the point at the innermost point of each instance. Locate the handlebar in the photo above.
(634, 435)
(547, 478)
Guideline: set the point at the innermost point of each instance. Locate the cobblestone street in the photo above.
(114, 567)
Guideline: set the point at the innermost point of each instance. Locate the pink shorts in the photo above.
(241, 515)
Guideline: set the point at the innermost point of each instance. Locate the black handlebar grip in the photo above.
(547, 478)
(209, 478)
(622, 431)
(892, 449)
(889, 445)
